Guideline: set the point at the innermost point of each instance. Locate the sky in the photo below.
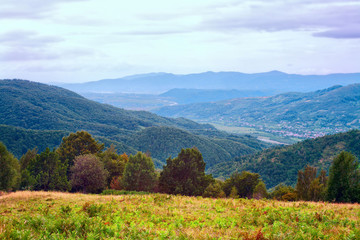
(88, 40)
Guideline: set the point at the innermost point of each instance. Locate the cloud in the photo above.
(155, 32)
(328, 18)
(28, 9)
(348, 32)
(25, 54)
(22, 38)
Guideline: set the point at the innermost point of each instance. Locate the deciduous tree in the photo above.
(47, 172)
(9, 170)
(76, 144)
(139, 173)
(185, 174)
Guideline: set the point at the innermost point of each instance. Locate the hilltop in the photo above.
(34, 106)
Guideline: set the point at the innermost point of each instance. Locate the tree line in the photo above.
(80, 164)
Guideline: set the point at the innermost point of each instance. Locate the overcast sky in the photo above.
(87, 40)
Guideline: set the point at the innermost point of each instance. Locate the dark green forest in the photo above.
(281, 164)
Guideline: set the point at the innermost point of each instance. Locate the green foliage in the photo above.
(283, 192)
(309, 187)
(260, 191)
(19, 140)
(9, 170)
(344, 179)
(113, 163)
(234, 192)
(214, 190)
(46, 172)
(185, 174)
(244, 183)
(24, 163)
(139, 173)
(281, 164)
(88, 174)
(76, 144)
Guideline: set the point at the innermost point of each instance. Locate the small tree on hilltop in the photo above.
(185, 174)
(88, 174)
(139, 173)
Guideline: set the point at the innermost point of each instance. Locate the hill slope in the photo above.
(38, 106)
(281, 164)
(296, 114)
(162, 82)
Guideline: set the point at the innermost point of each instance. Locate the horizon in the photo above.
(75, 41)
(181, 74)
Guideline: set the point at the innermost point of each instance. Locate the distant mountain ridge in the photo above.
(311, 114)
(157, 83)
(34, 106)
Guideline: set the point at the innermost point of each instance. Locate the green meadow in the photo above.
(55, 215)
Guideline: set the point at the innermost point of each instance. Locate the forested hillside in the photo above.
(18, 140)
(36, 106)
(300, 115)
(281, 164)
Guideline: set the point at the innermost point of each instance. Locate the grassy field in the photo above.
(51, 215)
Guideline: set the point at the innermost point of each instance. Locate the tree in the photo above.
(244, 183)
(9, 170)
(88, 174)
(283, 192)
(25, 182)
(214, 190)
(308, 186)
(344, 179)
(139, 173)
(260, 191)
(305, 178)
(46, 172)
(113, 163)
(76, 144)
(185, 174)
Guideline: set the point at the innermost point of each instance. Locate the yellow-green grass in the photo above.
(53, 215)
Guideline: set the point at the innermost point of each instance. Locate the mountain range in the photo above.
(34, 107)
(157, 83)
